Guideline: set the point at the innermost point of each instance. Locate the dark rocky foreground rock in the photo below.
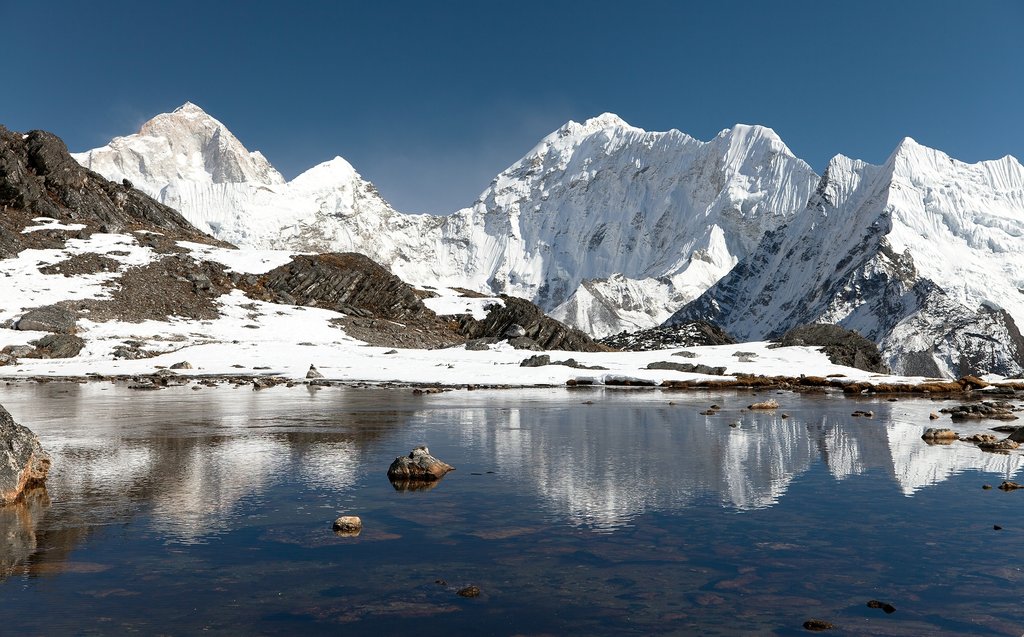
(691, 334)
(534, 326)
(418, 466)
(38, 178)
(23, 463)
(842, 346)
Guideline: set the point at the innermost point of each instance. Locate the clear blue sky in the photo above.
(430, 100)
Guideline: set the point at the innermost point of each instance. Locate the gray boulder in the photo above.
(49, 318)
(23, 463)
(57, 346)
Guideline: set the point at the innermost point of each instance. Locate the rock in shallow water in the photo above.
(419, 465)
(23, 463)
(348, 525)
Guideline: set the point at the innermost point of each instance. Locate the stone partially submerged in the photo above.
(23, 463)
(418, 466)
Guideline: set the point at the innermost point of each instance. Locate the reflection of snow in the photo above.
(332, 466)
(212, 482)
(917, 464)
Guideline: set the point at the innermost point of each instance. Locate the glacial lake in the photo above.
(575, 512)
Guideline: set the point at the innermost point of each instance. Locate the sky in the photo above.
(431, 100)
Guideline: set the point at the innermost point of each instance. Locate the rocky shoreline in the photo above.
(162, 379)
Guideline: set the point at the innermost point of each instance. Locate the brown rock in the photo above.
(348, 525)
(933, 433)
(23, 463)
(771, 403)
(469, 591)
(419, 465)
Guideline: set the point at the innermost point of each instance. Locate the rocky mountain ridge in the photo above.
(546, 227)
(929, 264)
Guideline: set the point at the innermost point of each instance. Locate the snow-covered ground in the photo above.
(254, 337)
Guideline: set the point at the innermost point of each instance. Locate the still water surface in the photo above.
(180, 511)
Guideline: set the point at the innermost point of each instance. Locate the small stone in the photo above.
(348, 525)
(888, 608)
(441, 582)
(933, 416)
(986, 486)
(785, 416)
(817, 625)
(996, 527)
(469, 591)
(734, 424)
(771, 403)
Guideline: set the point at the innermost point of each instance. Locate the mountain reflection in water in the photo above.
(186, 460)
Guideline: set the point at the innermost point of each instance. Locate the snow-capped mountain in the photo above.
(924, 255)
(606, 225)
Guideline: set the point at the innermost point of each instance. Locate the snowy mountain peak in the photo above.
(186, 145)
(332, 173)
(188, 108)
(605, 120)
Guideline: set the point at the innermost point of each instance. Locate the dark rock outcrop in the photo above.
(690, 334)
(39, 178)
(419, 465)
(23, 463)
(842, 346)
(380, 308)
(543, 330)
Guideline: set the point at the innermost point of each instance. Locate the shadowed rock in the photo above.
(418, 466)
(842, 346)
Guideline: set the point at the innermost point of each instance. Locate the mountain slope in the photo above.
(924, 255)
(647, 220)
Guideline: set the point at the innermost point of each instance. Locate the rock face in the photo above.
(520, 317)
(39, 178)
(23, 463)
(842, 346)
(692, 334)
(418, 466)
